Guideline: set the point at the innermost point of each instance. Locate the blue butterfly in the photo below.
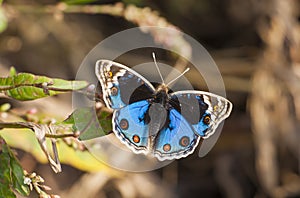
(151, 119)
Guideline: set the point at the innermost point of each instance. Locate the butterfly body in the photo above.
(155, 120)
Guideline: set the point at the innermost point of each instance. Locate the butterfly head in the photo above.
(161, 94)
(162, 88)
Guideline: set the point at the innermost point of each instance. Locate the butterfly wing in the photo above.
(121, 85)
(176, 140)
(130, 127)
(126, 91)
(203, 110)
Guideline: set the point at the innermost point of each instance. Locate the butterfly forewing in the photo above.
(203, 110)
(121, 85)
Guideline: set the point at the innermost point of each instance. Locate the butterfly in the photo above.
(149, 118)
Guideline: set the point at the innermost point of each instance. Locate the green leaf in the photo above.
(18, 177)
(90, 123)
(5, 179)
(11, 173)
(6, 192)
(25, 86)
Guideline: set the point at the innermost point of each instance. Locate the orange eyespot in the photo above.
(136, 139)
(216, 108)
(167, 147)
(206, 119)
(109, 74)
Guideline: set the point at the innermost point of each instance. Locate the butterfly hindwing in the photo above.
(177, 139)
(130, 127)
(203, 110)
(121, 85)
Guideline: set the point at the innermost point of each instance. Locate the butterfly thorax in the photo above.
(161, 95)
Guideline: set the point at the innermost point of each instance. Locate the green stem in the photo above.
(16, 125)
(56, 136)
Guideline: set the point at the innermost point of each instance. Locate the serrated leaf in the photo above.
(11, 173)
(90, 123)
(25, 86)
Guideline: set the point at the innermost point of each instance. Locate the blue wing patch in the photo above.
(203, 125)
(115, 97)
(177, 139)
(130, 127)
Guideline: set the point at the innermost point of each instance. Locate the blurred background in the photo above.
(255, 44)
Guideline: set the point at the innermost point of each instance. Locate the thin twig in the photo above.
(57, 136)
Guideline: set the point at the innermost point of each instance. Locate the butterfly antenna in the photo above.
(153, 55)
(187, 69)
